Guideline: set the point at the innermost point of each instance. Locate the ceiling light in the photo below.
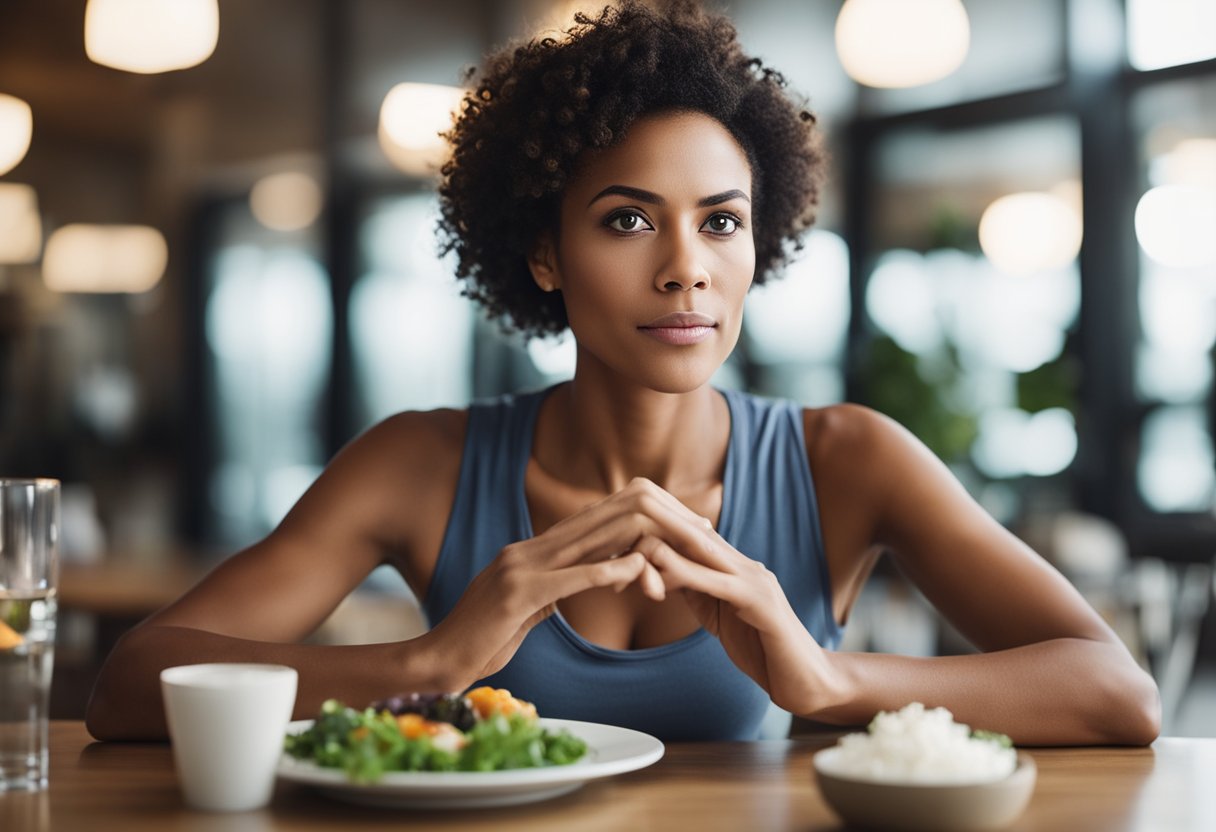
(150, 36)
(1174, 225)
(287, 201)
(1030, 232)
(20, 225)
(16, 128)
(411, 119)
(104, 258)
(901, 43)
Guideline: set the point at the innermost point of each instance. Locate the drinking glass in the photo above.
(29, 575)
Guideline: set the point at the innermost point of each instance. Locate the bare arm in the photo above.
(259, 604)
(126, 702)
(1051, 671)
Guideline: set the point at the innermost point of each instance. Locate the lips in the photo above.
(678, 320)
(680, 328)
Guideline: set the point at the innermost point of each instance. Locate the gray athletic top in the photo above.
(688, 689)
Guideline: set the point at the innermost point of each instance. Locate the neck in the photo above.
(598, 436)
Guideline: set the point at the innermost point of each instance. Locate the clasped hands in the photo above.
(641, 534)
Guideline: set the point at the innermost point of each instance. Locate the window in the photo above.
(972, 297)
(794, 326)
(1163, 33)
(411, 331)
(1175, 215)
(269, 325)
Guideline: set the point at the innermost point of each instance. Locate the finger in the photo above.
(614, 572)
(698, 537)
(711, 551)
(617, 533)
(644, 492)
(641, 498)
(649, 579)
(652, 583)
(679, 572)
(612, 526)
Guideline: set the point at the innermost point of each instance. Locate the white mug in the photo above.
(226, 723)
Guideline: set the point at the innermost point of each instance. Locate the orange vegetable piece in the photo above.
(442, 734)
(9, 637)
(487, 701)
(412, 726)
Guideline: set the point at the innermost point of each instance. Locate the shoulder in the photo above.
(852, 433)
(852, 436)
(882, 471)
(435, 432)
(867, 460)
(403, 460)
(429, 444)
(385, 496)
(404, 442)
(844, 449)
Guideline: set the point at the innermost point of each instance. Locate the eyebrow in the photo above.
(654, 199)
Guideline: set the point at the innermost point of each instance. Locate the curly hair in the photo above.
(540, 105)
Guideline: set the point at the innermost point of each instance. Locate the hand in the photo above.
(595, 547)
(741, 602)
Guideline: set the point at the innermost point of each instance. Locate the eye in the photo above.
(627, 222)
(722, 224)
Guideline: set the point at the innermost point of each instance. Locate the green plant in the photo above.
(921, 395)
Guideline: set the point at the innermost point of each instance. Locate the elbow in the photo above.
(1144, 713)
(97, 718)
(1134, 715)
(125, 701)
(103, 716)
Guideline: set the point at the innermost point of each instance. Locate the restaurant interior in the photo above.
(218, 265)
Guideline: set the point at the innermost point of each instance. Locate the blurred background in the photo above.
(218, 265)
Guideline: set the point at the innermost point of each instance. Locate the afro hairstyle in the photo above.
(536, 107)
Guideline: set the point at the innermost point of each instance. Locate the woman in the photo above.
(634, 546)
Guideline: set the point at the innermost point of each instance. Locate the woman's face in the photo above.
(655, 253)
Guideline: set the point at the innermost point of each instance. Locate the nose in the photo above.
(681, 269)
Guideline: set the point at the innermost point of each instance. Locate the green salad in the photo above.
(433, 732)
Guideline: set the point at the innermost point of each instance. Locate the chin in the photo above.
(685, 371)
(677, 379)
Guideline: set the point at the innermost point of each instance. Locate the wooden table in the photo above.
(126, 588)
(704, 786)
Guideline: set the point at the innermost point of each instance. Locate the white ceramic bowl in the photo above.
(912, 807)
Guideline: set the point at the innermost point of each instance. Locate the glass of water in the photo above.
(29, 575)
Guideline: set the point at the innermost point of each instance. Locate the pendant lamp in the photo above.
(150, 36)
(1029, 232)
(20, 224)
(104, 258)
(16, 128)
(1175, 218)
(287, 201)
(411, 119)
(901, 43)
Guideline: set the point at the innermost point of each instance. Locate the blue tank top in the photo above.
(687, 689)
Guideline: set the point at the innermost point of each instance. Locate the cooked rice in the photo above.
(922, 745)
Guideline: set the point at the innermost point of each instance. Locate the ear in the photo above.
(542, 262)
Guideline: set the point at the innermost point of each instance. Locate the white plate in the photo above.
(610, 750)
